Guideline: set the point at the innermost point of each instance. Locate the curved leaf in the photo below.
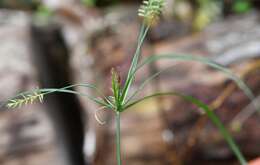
(233, 146)
(203, 60)
(54, 90)
(64, 90)
(147, 80)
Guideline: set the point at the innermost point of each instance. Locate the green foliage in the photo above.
(43, 13)
(209, 113)
(203, 60)
(99, 3)
(121, 100)
(131, 72)
(27, 97)
(89, 2)
(116, 90)
(242, 6)
(208, 11)
(118, 139)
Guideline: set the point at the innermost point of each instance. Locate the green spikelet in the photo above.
(115, 87)
(151, 10)
(25, 99)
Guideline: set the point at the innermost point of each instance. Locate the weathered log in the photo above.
(26, 134)
(51, 59)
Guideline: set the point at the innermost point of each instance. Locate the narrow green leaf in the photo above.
(131, 75)
(60, 90)
(182, 57)
(233, 146)
(55, 90)
(147, 80)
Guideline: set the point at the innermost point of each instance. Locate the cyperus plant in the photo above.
(121, 100)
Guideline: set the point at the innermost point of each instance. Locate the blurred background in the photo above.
(53, 43)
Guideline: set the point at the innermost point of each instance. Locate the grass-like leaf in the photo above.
(120, 101)
(209, 112)
(182, 57)
(45, 91)
(100, 102)
(146, 81)
(134, 63)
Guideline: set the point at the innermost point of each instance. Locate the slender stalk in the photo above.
(118, 139)
(130, 75)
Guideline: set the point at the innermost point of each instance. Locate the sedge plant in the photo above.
(121, 99)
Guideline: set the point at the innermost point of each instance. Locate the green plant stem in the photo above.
(131, 72)
(118, 139)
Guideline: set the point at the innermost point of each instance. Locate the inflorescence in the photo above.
(151, 10)
(26, 99)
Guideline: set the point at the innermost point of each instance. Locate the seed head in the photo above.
(115, 85)
(151, 10)
(25, 99)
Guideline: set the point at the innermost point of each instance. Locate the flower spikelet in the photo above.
(25, 99)
(115, 85)
(151, 10)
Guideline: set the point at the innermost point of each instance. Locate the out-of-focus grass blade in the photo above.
(209, 113)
